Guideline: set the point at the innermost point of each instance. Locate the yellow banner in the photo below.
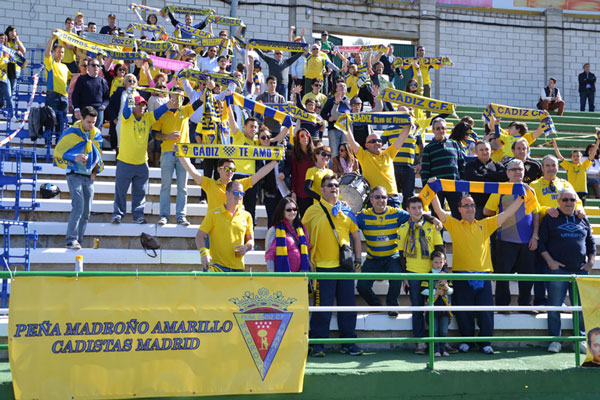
(230, 151)
(416, 101)
(590, 303)
(126, 337)
(81, 43)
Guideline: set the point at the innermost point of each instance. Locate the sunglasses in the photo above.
(468, 206)
(315, 49)
(228, 169)
(304, 135)
(130, 81)
(317, 85)
(238, 193)
(440, 128)
(265, 137)
(94, 65)
(122, 70)
(568, 200)
(291, 210)
(329, 185)
(375, 141)
(84, 65)
(326, 154)
(413, 85)
(380, 196)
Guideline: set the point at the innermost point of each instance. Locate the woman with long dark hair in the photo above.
(287, 242)
(345, 162)
(461, 134)
(302, 161)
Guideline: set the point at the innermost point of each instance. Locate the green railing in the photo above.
(575, 307)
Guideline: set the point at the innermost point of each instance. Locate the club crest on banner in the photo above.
(263, 320)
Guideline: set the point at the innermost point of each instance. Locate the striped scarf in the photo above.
(410, 248)
(208, 127)
(282, 263)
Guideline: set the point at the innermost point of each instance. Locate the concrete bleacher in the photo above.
(120, 248)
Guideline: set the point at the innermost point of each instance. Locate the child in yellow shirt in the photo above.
(576, 170)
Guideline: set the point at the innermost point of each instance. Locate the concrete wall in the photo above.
(500, 57)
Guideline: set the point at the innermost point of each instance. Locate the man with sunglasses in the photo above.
(91, 90)
(377, 164)
(471, 255)
(325, 258)
(207, 62)
(231, 233)
(278, 68)
(547, 190)
(316, 94)
(568, 247)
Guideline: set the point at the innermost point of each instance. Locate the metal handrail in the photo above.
(377, 276)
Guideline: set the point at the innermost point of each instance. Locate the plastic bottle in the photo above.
(79, 263)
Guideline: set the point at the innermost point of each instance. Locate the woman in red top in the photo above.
(302, 160)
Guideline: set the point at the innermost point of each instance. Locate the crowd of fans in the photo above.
(147, 111)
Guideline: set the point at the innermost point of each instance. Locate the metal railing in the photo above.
(430, 278)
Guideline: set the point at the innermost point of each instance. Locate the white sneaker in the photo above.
(582, 348)
(162, 220)
(487, 350)
(437, 354)
(463, 348)
(445, 354)
(554, 347)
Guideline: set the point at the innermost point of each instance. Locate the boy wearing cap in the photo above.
(132, 161)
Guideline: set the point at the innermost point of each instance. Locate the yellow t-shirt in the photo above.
(115, 84)
(4, 61)
(69, 56)
(215, 190)
(424, 72)
(547, 196)
(471, 243)
(314, 66)
(56, 76)
(419, 264)
(378, 170)
(133, 148)
(226, 231)
(508, 141)
(320, 97)
(171, 122)
(576, 174)
(143, 81)
(244, 166)
(324, 246)
(316, 175)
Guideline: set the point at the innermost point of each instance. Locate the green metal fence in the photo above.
(575, 307)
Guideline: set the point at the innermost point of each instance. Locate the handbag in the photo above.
(346, 253)
(149, 242)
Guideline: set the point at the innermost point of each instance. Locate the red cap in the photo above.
(140, 100)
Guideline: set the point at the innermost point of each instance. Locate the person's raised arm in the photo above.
(350, 138)
(556, 150)
(48, 52)
(264, 171)
(437, 207)
(510, 210)
(197, 176)
(232, 122)
(279, 138)
(401, 137)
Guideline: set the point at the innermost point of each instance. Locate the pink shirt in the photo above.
(292, 250)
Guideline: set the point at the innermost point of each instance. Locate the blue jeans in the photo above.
(57, 102)
(465, 295)
(417, 299)
(342, 291)
(557, 294)
(335, 138)
(380, 264)
(81, 188)
(441, 320)
(135, 176)
(100, 119)
(282, 90)
(168, 164)
(6, 97)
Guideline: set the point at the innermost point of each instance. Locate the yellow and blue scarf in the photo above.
(75, 141)
(282, 263)
(410, 248)
(380, 120)
(189, 10)
(157, 29)
(259, 108)
(403, 61)
(416, 101)
(500, 111)
(276, 45)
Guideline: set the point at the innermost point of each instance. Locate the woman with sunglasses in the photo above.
(461, 134)
(345, 162)
(287, 242)
(312, 183)
(118, 80)
(302, 161)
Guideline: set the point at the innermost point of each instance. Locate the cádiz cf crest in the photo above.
(263, 320)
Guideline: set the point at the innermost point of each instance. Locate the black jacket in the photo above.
(584, 79)
(491, 171)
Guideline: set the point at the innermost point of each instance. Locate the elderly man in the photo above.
(568, 247)
(324, 242)
(547, 190)
(377, 164)
(471, 255)
(442, 158)
(231, 233)
(132, 160)
(516, 240)
(483, 169)
(550, 98)
(91, 90)
(112, 23)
